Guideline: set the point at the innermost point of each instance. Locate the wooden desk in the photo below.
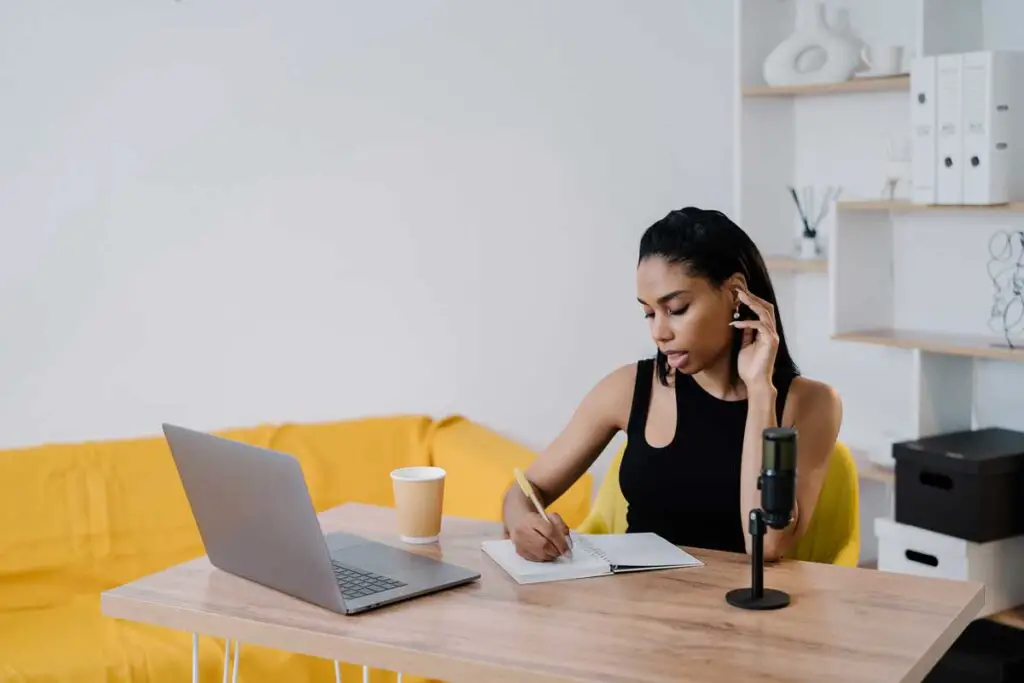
(844, 624)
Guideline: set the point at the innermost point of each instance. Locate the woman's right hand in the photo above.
(537, 540)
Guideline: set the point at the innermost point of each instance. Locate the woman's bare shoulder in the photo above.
(806, 393)
(622, 377)
(816, 406)
(612, 396)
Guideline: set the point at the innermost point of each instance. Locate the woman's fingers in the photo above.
(554, 544)
(764, 310)
(536, 547)
(754, 297)
(764, 332)
(753, 301)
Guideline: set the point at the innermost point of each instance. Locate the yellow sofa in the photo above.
(77, 519)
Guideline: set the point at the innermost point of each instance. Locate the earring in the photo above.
(736, 314)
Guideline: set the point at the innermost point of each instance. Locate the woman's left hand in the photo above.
(760, 343)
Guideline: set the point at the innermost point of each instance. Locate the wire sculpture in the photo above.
(1006, 269)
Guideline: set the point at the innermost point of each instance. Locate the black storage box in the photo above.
(986, 652)
(965, 484)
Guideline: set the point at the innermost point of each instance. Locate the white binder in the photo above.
(922, 122)
(949, 177)
(993, 113)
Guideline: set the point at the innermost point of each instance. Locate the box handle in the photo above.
(936, 480)
(922, 558)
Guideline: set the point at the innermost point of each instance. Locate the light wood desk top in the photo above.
(844, 624)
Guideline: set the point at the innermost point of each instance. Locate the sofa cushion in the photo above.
(351, 460)
(73, 643)
(86, 517)
(479, 463)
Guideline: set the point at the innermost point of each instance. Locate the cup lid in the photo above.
(423, 473)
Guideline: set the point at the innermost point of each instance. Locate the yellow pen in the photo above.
(524, 484)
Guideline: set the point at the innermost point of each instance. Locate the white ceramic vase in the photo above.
(813, 53)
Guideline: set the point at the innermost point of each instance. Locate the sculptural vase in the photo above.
(813, 53)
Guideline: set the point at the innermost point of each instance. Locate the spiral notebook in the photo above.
(593, 555)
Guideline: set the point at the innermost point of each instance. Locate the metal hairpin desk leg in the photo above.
(234, 667)
(227, 649)
(366, 674)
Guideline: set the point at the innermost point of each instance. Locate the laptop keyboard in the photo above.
(356, 583)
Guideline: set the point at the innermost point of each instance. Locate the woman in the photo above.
(694, 414)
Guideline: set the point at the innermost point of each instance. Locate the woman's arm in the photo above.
(816, 414)
(813, 407)
(760, 416)
(601, 413)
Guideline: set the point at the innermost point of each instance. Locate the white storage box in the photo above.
(997, 564)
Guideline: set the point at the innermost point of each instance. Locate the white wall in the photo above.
(220, 213)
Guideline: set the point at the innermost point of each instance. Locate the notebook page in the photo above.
(582, 564)
(646, 550)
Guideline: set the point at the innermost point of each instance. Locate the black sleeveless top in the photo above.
(688, 491)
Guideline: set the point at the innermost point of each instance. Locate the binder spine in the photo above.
(923, 160)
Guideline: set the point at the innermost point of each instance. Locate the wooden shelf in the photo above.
(904, 205)
(876, 84)
(975, 346)
(793, 264)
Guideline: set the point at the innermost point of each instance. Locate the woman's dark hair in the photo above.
(711, 246)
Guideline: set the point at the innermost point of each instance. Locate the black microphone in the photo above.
(777, 483)
(778, 476)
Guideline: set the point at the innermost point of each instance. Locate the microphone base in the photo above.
(744, 598)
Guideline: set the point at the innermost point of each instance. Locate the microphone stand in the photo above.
(757, 596)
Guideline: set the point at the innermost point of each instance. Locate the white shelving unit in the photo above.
(895, 315)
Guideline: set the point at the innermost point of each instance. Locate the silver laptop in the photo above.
(257, 521)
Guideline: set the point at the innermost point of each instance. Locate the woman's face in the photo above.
(689, 318)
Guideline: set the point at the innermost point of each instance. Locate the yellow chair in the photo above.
(833, 536)
(608, 514)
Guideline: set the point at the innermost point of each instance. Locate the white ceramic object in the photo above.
(813, 53)
(842, 26)
(808, 248)
(883, 60)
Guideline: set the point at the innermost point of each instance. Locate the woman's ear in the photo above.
(736, 280)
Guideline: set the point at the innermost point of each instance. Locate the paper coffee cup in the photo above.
(419, 495)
